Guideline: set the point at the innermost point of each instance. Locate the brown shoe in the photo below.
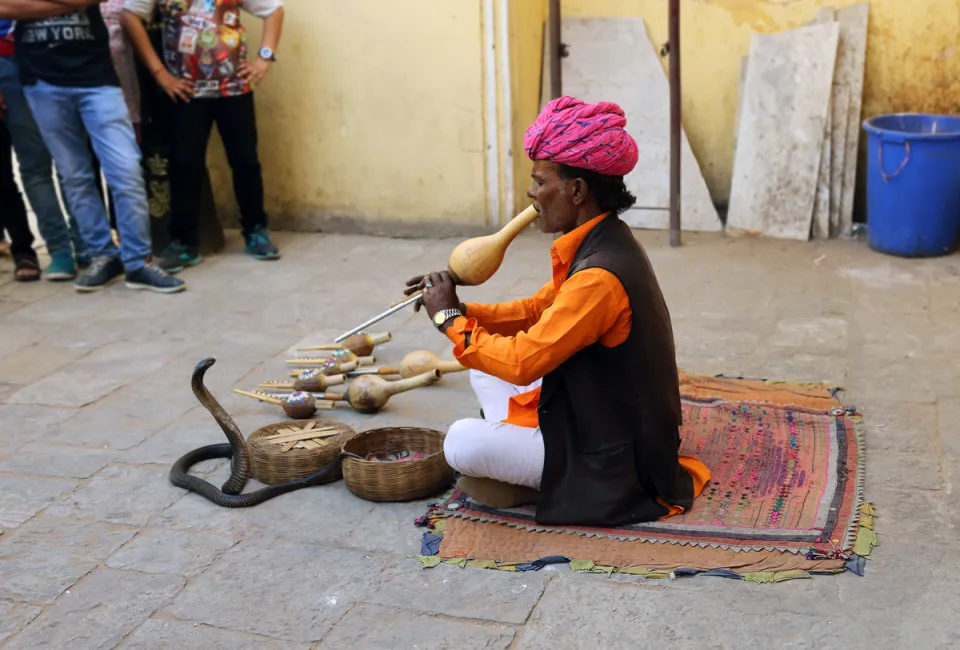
(497, 494)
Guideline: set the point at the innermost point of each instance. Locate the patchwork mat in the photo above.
(785, 478)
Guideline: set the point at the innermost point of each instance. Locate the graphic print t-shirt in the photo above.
(204, 40)
(71, 50)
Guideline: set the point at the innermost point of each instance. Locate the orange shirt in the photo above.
(521, 341)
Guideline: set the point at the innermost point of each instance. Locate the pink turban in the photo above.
(588, 136)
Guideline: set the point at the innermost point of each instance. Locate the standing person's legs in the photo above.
(98, 175)
(36, 173)
(57, 113)
(237, 124)
(13, 214)
(105, 116)
(193, 122)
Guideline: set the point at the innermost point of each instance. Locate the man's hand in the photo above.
(439, 293)
(253, 73)
(175, 88)
(414, 284)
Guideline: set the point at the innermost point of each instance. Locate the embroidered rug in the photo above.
(784, 478)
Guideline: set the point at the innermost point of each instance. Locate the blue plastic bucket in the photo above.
(913, 184)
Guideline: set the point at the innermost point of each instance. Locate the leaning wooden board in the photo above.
(613, 59)
(786, 99)
(853, 23)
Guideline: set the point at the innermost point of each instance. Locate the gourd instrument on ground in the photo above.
(415, 363)
(331, 366)
(361, 345)
(471, 263)
(342, 357)
(365, 394)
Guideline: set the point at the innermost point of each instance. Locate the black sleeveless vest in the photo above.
(610, 417)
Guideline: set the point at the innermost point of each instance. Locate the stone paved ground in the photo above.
(99, 551)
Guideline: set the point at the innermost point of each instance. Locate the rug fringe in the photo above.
(589, 566)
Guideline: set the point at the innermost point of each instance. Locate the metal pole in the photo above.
(556, 49)
(376, 319)
(675, 129)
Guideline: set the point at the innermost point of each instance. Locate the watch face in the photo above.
(439, 318)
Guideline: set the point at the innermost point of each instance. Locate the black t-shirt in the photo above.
(72, 50)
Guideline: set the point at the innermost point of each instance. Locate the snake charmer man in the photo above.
(577, 384)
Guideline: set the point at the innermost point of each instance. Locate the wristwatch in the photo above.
(267, 54)
(444, 315)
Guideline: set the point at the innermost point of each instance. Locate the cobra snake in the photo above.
(229, 496)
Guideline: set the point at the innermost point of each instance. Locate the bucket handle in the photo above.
(887, 177)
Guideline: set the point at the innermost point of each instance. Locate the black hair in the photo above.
(610, 192)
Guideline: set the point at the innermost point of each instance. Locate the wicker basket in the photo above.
(270, 465)
(400, 480)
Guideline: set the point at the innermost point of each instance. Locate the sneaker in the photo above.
(101, 273)
(153, 278)
(260, 246)
(62, 267)
(177, 256)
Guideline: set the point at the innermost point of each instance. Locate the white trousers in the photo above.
(488, 448)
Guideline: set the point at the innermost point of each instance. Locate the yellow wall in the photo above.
(913, 59)
(374, 116)
(527, 18)
(373, 112)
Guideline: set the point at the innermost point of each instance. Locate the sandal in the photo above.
(26, 267)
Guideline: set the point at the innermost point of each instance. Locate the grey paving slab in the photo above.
(884, 327)
(23, 424)
(948, 412)
(120, 494)
(399, 628)
(499, 596)
(325, 514)
(802, 366)
(100, 611)
(21, 497)
(109, 429)
(68, 388)
(156, 634)
(306, 589)
(158, 550)
(589, 613)
(390, 529)
(898, 426)
(64, 461)
(46, 556)
(194, 429)
(30, 364)
(14, 617)
(901, 470)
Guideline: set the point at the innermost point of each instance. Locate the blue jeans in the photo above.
(36, 167)
(63, 114)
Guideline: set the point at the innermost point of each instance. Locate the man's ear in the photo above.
(578, 191)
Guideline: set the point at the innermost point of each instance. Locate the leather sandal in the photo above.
(26, 267)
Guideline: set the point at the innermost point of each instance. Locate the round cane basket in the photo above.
(398, 480)
(270, 465)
